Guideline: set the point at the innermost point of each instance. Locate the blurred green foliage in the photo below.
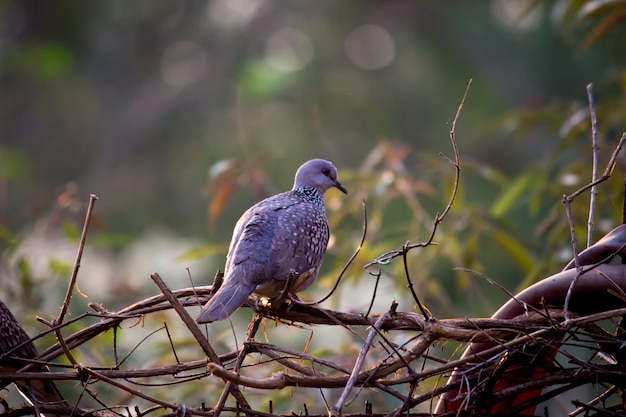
(182, 115)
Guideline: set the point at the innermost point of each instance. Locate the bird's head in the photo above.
(319, 174)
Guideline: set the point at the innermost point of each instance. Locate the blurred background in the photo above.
(180, 115)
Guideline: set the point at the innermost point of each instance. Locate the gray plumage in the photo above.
(285, 232)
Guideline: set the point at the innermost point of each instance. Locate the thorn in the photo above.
(44, 321)
(98, 308)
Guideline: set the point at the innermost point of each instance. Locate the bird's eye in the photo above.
(326, 171)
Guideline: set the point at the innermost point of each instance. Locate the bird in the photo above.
(285, 234)
(16, 351)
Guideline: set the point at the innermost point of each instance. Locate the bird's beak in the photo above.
(341, 187)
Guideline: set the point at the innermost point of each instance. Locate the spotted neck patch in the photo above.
(311, 195)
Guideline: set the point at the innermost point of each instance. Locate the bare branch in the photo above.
(595, 148)
(567, 200)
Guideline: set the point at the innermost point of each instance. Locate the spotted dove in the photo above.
(281, 235)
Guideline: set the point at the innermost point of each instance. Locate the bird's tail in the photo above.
(232, 294)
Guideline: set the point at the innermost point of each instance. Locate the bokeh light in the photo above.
(370, 47)
(288, 50)
(182, 63)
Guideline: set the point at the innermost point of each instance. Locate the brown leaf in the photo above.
(607, 24)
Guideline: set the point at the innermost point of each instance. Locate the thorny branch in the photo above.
(511, 334)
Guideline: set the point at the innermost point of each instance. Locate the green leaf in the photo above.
(70, 231)
(514, 249)
(47, 60)
(111, 240)
(25, 273)
(14, 164)
(202, 252)
(511, 195)
(59, 267)
(260, 80)
(8, 237)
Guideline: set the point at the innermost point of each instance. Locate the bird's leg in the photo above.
(284, 294)
(301, 282)
(293, 284)
(267, 300)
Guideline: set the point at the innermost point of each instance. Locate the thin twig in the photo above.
(194, 330)
(594, 167)
(405, 250)
(79, 256)
(230, 386)
(376, 274)
(387, 257)
(567, 200)
(185, 317)
(359, 363)
(98, 376)
(72, 283)
(610, 166)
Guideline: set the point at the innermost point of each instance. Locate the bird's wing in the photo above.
(298, 245)
(271, 239)
(249, 256)
(246, 263)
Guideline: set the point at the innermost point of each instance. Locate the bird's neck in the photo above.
(310, 194)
